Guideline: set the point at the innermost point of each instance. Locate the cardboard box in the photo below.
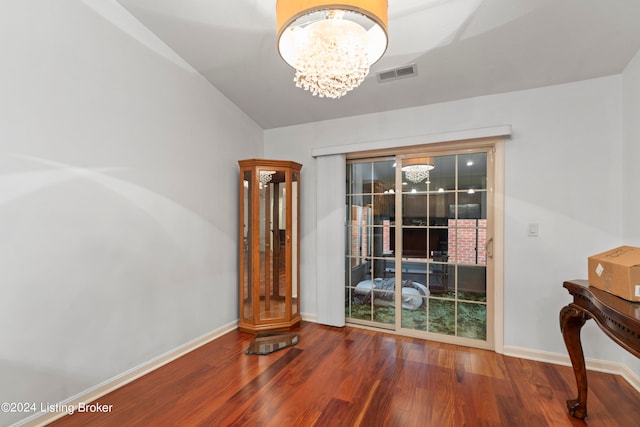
(617, 271)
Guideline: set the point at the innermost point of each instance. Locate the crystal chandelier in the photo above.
(331, 45)
(265, 176)
(417, 170)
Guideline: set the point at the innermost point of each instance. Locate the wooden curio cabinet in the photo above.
(269, 245)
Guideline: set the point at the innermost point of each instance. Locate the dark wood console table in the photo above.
(618, 318)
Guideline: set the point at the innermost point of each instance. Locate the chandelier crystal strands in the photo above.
(265, 176)
(417, 170)
(331, 45)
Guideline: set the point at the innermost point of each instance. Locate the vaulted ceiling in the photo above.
(462, 49)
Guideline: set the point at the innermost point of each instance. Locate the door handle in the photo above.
(489, 247)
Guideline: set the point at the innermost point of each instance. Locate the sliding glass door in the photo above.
(370, 218)
(418, 237)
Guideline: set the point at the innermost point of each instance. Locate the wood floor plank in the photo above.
(355, 377)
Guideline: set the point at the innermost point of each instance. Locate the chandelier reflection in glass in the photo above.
(331, 45)
(417, 170)
(265, 176)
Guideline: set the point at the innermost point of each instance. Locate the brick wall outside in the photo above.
(359, 246)
(386, 235)
(463, 246)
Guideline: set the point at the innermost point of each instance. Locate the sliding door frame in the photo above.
(494, 146)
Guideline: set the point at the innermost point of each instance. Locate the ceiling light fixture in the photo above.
(417, 170)
(331, 45)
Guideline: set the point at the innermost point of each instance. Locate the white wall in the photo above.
(631, 174)
(631, 132)
(118, 198)
(562, 171)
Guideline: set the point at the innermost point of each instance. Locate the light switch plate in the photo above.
(533, 230)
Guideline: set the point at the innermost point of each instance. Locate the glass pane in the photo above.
(356, 273)
(443, 175)
(414, 295)
(384, 208)
(280, 243)
(388, 242)
(360, 272)
(375, 298)
(360, 214)
(360, 174)
(415, 319)
(438, 244)
(266, 259)
(377, 244)
(414, 209)
(247, 312)
(441, 279)
(384, 177)
(373, 268)
(472, 320)
(384, 314)
(355, 201)
(467, 244)
(369, 239)
(415, 242)
(282, 206)
(294, 244)
(361, 242)
(472, 283)
(354, 208)
(415, 187)
(470, 206)
(482, 242)
(414, 304)
(439, 211)
(360, 302)
(442, 316)
(415, 270)
(416, 174)
(351, 238)
(472, 171)
(272, 244)
(384, 300)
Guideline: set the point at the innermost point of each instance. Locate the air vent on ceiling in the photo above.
(398, 73)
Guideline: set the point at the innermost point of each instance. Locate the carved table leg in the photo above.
(571, 321)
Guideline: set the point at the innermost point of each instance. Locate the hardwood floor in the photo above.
(355, 377)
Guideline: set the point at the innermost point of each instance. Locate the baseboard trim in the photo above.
(96, 392)
(309, 317)
(563, 359)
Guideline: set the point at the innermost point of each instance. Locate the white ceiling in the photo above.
(462, 48)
